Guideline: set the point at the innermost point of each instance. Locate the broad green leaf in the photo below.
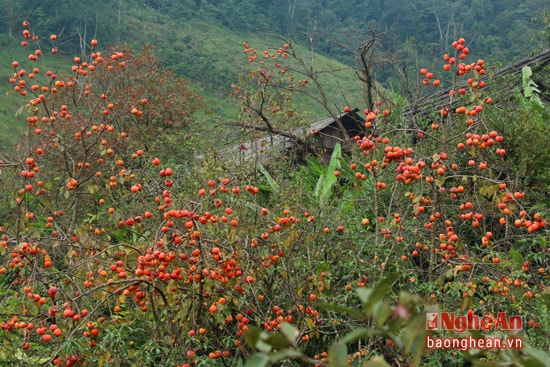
(277, 341)
(338, 355)
(257, 360)
(272, 183)
(356, 334)
(290, 332)
(64, 192)
(381, 312)
(327, 178)
(516, 256)
(252, 336)
(287, 353)
(376, 361)
(92, 188)
(535, 357)
(338, 308)
(264, 346)
(259, 340)
(370, 296)
(530, 88)
(364, 294)
(414, 337)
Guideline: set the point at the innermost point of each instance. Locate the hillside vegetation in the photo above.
(201, 40)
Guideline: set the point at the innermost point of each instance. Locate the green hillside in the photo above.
(202, 40)
(212, 58)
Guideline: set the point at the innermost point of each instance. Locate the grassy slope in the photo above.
(12, 106)
(340, 85)
(9, 102)
(210, 44)
(222, 51)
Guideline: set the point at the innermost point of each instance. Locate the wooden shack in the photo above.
(327, 132)
(319, 138)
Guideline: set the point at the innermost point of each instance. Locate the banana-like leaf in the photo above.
(327, 179)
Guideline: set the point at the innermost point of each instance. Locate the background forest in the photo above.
(198, 39)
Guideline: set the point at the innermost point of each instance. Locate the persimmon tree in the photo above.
(438, 201)
(115, 253)
(88, 130)
(106, 258)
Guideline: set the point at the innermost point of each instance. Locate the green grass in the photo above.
(212, 58)
(12, 105)
(224, 49)
(10, 125)
(209, 55)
